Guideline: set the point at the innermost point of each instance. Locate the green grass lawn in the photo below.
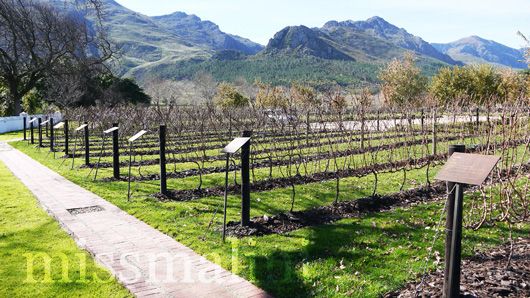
(358, 257)
(12, 135)
(26, 232)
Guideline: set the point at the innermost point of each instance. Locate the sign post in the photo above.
(66, 137)
(32, 136)
(245, 180)
(24, 126)
(115, 152)
(56, 126)
(75, 142)
(162, 152)
(103, 138)
(87, 145)
(449, 218)
(39, 123)
(51, 135)
(461, 169)
(232, 148)
(131, 141)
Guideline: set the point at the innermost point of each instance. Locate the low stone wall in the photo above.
(15, 123)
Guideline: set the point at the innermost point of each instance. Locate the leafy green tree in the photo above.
(227, 96)
(512, 85)
(484, 85)
(450, 85)
(402, 82)
(33, 101)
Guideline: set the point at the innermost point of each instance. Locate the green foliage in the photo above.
(130, 91)
(110, 90)
(481, 85)
(33, 101)
(284, 70)
(227, 96)
(402, 82)
(450, 84)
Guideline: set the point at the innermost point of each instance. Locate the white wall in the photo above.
(15, 123)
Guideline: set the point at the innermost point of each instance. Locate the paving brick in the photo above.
(112, 234)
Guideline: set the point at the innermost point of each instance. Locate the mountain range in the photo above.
(178, 45)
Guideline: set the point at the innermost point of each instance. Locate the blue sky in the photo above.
(434, 21)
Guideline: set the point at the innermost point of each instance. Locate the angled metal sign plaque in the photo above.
(110, 130)
(467, 168)
(235, 145)
(81, 127)
(137, 135)
(59, 125)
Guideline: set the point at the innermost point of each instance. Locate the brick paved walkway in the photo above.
(146, 261)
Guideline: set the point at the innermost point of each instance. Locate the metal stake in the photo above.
(115, 153)
(456, 244)
(162, 152)
(225, 195)
(32, 137)
(24, 119)
(39, 121)
(66, 137)
(245, 181)
(87, 146)
(129, 178)
(51, 136)
(450, 219)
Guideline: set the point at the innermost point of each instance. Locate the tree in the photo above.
(484, 85)
(450, 85)
(511, 86)
(227, 96)
(402, 81)
(39, 40)
(104, 89)
(206, 85)
(271, 97)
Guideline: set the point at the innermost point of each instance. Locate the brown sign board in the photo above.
(467, 168)
(235, 145)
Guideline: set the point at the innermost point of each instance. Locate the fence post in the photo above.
(87, 146)
(449, 220)
(39, 121)
(163, 176)
(245, 180)
(46, 128)
(31, 135)
(456, 244)
(115, 153)
(51, 134)
(24, 119)
(66, 137)
(477, 118)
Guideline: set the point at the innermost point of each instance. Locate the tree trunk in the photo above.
(15, 108)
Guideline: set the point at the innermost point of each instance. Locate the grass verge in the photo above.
(357, 257)
(29, 238)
